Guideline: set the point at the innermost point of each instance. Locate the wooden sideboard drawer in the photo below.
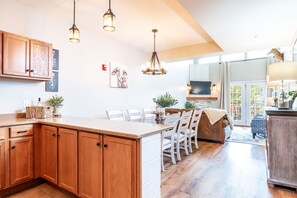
(2, 134)
(19, 131)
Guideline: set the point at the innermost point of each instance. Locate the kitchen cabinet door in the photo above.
(21, 160)
(15, 55)
(2, 165)
(49, 153)
(41, 59)
(67, 159)
(90, 165)
(120, 165)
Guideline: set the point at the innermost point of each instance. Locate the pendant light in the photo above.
(154, 67)
(108, 20)
(74, 31)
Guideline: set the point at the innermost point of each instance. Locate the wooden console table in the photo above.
(281, 148)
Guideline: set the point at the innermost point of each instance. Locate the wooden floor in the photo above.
(232, 170)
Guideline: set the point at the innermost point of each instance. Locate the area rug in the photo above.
(244, 135)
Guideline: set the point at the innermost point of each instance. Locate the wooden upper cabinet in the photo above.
(25, 58)
(41, 59)
(21, 160)
(15, 55)
(67, 160)
(2, 165)
(49, 153)
(90, 165)
(120, 167)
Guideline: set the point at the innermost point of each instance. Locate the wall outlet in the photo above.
(26, 103)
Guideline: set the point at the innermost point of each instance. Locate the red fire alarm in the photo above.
(103, 67)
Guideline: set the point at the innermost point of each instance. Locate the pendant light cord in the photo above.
(109, 4)
(73, 11)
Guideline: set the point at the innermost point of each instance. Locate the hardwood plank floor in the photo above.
(222, 171)
(232, 170)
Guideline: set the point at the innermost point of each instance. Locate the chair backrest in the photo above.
(134, 114)
(195, 119)
(148, 113)
(184, 122)
(172, 118)
(116, 115)
(170, 133)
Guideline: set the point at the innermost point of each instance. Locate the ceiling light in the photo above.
(154, 67)
(74, 31)
(108, 20)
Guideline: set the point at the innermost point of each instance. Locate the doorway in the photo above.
(247, 99)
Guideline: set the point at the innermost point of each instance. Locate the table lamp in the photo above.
(282, 72)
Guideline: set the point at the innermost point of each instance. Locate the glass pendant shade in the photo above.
(154, 67)
(108, 21)
(74, 34)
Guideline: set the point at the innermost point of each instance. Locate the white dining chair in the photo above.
(168, 140)
(134, 115)
(148, 113)
(181, 134)
(116, 115)
(193, 130)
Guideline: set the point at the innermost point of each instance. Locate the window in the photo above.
(233, 57)
(210, 59)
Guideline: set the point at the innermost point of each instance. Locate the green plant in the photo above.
(190, 105)
(56, 101)
(293, 94)
(165, 100)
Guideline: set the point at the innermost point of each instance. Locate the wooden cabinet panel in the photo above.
(49, 153)
(90, 165)
(2, 133)
(2, 165)
(282, 150)
(41, 59)
(119, 169)
(67, 159)
(21, 160)
(15, 55)
(19, 131)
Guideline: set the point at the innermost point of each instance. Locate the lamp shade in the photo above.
(282, 71)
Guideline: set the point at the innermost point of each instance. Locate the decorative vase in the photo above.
(57, 112)
(294, 106)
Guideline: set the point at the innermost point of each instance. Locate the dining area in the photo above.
(181, 135)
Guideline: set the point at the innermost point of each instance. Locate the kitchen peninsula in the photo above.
(87, 157)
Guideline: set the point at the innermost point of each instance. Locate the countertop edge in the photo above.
(84, 129)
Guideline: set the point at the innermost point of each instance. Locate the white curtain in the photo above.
(225, 87)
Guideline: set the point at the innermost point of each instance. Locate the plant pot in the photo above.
(57, 112)
(294, 106)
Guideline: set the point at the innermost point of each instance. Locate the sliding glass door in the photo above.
(247, 99)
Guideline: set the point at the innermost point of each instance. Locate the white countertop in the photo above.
(134, 130)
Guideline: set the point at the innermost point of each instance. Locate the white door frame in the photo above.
(245, 95)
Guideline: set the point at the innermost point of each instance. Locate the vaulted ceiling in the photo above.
(187, 28)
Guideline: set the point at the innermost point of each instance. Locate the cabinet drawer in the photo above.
(19, 131)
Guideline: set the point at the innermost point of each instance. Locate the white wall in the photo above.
(83, 84)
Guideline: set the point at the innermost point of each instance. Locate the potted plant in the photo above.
(164, 101)
(293, 95)
(56, 102)
(190, 105)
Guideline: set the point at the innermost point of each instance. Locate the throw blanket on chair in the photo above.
(215, 115)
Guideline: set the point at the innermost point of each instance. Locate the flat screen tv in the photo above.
(200, 87)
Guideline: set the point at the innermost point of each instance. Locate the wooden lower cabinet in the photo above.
(119, 167)
(67, 160)
(90, 165)
(21, 160)
(49, 153)
(2, 164)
